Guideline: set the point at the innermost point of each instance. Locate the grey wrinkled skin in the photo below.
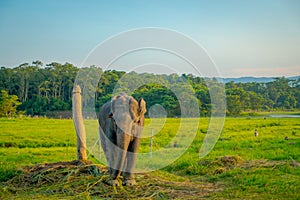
(121, 122)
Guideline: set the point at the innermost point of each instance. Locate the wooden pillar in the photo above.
(78, 122)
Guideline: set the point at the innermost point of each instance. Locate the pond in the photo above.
(285, 116)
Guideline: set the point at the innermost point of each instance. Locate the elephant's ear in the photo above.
(112, 106)
(115, 101)
(142, 107)
(133, 109)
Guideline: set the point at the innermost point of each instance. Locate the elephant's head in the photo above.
(127, 112)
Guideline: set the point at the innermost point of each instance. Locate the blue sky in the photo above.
(244, 38)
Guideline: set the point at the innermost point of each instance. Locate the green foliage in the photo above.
(43, 89)
(279, 94)
(40, 88)
(8, 104)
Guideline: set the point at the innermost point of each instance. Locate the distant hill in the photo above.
(249, 79)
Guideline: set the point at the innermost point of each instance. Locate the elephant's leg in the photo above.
(112, 154)
(131, 161)
(123, 140)
(110, 143)
(104, 145)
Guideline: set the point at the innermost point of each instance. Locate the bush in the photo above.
(7, 172)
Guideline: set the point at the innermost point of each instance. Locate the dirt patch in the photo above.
(231, 161)
(84, 180)
(226, 163)
(263, 163)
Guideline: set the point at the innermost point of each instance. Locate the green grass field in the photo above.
(240, 166)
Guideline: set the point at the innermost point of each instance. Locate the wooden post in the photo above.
(78, 122)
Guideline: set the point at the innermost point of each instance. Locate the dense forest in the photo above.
(36, 89)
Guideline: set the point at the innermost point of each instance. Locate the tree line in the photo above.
(38, 89)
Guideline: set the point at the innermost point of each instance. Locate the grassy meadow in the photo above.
(240, 166)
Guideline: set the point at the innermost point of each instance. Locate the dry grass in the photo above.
(85, 180)
(263, 163)
(227, 163)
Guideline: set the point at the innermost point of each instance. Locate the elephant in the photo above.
(121, 121)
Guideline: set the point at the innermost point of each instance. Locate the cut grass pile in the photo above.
(84, 180)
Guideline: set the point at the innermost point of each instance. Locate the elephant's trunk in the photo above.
(123, 140)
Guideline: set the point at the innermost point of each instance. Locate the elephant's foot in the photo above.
(129, 182)
(113, 182)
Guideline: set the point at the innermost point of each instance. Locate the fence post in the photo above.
(151, 142)
(78, 122)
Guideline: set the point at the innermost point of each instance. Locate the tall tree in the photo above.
(8, 104)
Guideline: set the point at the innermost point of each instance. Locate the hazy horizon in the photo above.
(162, 73)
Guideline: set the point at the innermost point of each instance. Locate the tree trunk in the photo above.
(26, 89)
(22, 88)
